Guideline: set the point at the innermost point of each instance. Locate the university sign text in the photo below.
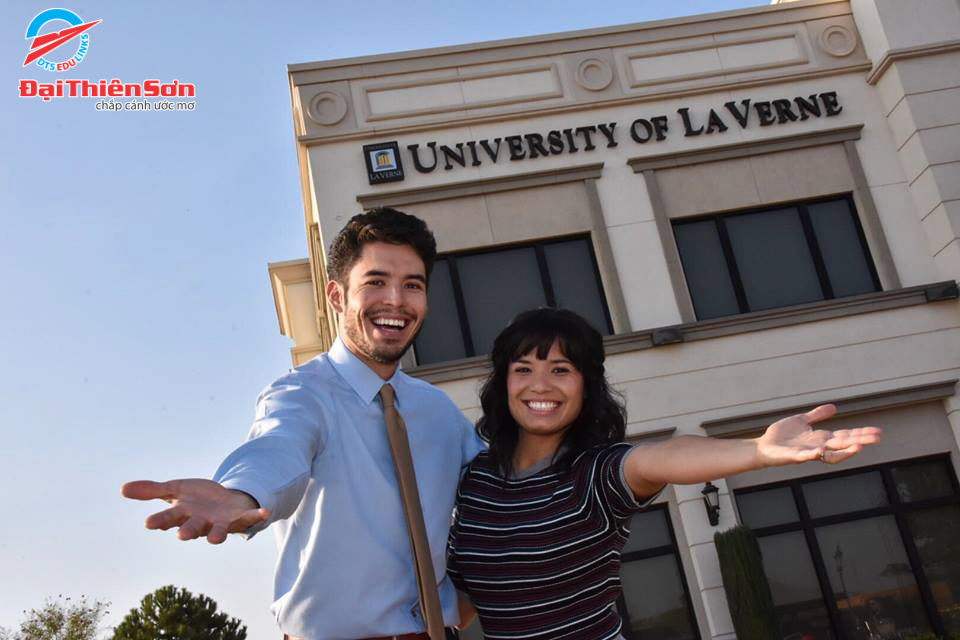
(430, 156)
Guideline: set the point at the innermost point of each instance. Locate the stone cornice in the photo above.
(753, 424)
(651, 436)
(541, 111)
(563, 42)
(905, 53)
(403, 93)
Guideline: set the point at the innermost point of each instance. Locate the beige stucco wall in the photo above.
(624, 201)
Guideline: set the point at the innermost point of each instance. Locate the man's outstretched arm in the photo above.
(199, 508)
(262, 479)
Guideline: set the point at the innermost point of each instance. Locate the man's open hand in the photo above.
(200, 508)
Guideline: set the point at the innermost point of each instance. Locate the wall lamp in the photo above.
(711, 502)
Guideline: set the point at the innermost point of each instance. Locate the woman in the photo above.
(542, 515)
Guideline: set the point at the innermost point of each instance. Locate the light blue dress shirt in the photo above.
(318, 458)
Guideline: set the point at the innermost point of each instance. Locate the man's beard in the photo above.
(381, 354)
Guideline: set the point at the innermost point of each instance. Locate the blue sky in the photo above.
(138, 324)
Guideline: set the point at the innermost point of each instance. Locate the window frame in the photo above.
(813, 246)
(655, 552)
(895, 507)
(714, 157)
(544, 273)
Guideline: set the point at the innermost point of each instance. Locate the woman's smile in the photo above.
(541, 406)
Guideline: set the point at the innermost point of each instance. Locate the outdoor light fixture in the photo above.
(711, 502)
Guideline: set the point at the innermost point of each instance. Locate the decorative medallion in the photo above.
(594, 74)
(838, 41)
(327, 108)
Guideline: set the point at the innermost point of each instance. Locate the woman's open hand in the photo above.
(796, 439)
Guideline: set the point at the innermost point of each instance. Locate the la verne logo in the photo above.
(383, 162)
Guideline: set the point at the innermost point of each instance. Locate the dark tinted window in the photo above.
(767, 508)
(872, 553)
(773, 258)
(496, 287)
(842, 247)
(655, 601)
(742, 262)
(706, 269)
(440, 337)
(574, 282)
(474, 295)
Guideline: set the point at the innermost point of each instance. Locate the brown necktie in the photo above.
(402, 460)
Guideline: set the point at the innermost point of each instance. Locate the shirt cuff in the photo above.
(636, 502)
(258, 493)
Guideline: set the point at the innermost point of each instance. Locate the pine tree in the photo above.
(176, 614)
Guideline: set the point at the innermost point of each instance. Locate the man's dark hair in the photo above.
(602, 419)
(381, 224)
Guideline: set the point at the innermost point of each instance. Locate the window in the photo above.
(655, 602)
(755, 260)
(473, 295)
(872, 553)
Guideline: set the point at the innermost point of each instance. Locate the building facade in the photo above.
(760, 208)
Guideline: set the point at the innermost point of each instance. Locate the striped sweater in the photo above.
(540, 556)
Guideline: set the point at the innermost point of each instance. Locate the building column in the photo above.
(915, 49)
(699, 534)
(952, 406)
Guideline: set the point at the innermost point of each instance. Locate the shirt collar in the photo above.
(361, 378)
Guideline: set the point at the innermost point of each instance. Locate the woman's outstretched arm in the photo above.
(792, 440)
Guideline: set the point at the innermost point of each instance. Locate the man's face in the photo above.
(383, 305)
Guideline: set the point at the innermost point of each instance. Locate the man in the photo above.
(318, 463)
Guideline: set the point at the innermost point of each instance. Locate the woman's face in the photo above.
(544, 396)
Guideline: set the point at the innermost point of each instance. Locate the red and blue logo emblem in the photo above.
(44, 44)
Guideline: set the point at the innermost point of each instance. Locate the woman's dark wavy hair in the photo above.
(602, 419)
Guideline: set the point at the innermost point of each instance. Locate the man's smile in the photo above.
(390, 324)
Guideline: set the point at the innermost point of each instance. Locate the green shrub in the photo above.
(745, 583)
